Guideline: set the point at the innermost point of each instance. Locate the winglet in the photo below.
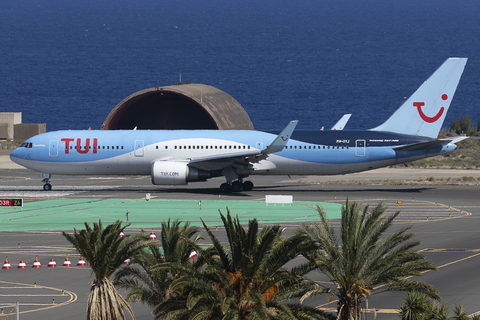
(281, 140)
(342, 122)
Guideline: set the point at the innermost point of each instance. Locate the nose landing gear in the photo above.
(46, 180)
(47, 186)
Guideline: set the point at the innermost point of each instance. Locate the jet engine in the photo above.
(176, 173)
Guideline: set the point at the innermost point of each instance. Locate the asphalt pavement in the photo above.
(445, 219)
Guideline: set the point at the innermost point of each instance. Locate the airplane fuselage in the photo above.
(133, 152)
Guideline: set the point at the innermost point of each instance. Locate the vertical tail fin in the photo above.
(424, 112)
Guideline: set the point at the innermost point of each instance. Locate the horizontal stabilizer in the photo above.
(429, 144)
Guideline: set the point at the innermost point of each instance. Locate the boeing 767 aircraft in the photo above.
(176, 157)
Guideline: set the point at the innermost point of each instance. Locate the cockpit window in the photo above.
(26, 145)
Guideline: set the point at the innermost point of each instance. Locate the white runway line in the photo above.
(37, 191)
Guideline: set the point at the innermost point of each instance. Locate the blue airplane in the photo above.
(176, 157)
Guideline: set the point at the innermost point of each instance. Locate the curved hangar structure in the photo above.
(181, 106)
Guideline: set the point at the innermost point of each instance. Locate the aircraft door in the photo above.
(138, 149)
(53, 148)
(360, 148)
(259, 145)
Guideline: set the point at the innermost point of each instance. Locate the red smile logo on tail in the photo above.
(425, 118)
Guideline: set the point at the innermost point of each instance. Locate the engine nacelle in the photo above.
(176, 173)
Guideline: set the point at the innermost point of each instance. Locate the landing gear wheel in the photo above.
(47, 187)
(225, 187)
(237, 186)
(247, 185)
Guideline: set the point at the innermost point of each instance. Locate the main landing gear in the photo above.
(236, 186)
(46, 180)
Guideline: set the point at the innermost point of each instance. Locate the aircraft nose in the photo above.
(15, 155)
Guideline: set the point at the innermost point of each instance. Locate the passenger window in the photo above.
(166, 147)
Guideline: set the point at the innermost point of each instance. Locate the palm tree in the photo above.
(245, 279)
(415, 306)
(105, 251)
(365, 258)
(150, 285)
(460, 313)
(418, 306)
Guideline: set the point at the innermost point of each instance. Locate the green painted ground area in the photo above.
(66, 214)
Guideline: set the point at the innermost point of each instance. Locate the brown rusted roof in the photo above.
(184, 106)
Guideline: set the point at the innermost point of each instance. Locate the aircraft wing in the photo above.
(244, 157)
(342, 122)
(429, 144)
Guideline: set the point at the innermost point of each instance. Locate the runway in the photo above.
(445, 220)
